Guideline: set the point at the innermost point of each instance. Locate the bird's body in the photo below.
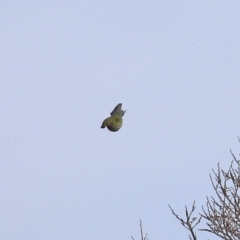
(114, 123)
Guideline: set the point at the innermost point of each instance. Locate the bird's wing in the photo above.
(117, 109)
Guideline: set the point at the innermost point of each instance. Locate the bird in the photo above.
(114, 123)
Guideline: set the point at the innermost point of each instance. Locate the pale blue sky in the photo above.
(65, 65)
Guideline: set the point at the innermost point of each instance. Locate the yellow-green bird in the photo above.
(114, 123)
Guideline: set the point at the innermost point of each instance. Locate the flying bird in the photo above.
(114, 123)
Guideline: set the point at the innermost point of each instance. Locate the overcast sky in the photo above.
(174, 65)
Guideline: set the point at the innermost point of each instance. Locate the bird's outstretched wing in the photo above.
(116, 109)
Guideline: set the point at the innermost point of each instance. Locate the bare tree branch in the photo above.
(141, 231)
(223, 212)
(190, 223)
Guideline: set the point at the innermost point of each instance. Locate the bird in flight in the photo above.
(114, 123)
